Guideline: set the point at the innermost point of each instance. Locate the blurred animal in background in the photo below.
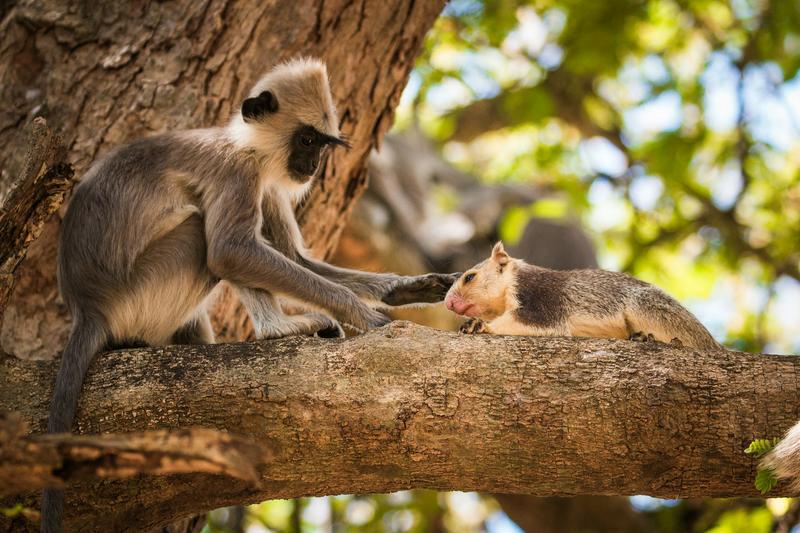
(404, 177)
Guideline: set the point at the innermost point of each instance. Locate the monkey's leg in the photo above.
(270, 322)
(197, 330)
(166, 292)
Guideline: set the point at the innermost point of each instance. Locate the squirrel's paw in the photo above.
(641, 336)
(473, 326)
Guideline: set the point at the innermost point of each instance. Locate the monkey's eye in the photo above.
(469, 277)
(306, 140)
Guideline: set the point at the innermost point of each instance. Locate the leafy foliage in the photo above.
(760, 447)
(413, 511)
(765, 480)
(744, 521)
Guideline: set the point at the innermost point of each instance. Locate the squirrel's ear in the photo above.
(499, 254)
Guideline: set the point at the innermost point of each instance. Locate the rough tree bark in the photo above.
(406, 406)
(103, 73)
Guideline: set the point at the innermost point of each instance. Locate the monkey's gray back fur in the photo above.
(113, 254)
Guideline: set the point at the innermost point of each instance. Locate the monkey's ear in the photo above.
(264, 103)
(499, 254)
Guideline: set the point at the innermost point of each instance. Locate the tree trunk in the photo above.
(407, 406)
(105, 73)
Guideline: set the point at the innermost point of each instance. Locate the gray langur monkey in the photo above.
(154, 226)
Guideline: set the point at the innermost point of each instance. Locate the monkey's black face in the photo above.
(307, 147)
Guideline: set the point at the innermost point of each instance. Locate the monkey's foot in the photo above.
(329, 329)
(641, 336)
(334, 332)
(473, 326)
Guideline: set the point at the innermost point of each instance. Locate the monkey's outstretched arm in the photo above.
(237, 253)
(390, 289)
(428, 288)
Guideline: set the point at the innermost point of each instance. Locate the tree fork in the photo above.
(407, 406)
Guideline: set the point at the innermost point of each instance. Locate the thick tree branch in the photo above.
(407, 406)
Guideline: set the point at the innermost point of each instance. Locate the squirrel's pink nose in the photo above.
(457, 304)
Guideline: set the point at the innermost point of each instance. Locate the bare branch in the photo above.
(35, 196)
(35, 462)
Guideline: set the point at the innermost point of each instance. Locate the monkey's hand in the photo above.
(428, 288)
(473, 326)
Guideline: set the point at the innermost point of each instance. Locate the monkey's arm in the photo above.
(237, 253)
(390, 289)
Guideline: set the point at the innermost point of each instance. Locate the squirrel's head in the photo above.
(481, 291)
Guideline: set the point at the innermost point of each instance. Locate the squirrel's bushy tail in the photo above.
(784, 459)
(654, 311)
(86, 339)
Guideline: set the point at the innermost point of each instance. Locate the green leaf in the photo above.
(513, 224)
(552, 208)
(761, 447)
(765, 480)
(11, 512)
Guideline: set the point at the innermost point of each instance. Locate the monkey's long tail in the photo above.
(784, 459)
(88, 337)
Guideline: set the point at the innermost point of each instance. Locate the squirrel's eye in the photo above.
(469, 277)
(306, 140)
